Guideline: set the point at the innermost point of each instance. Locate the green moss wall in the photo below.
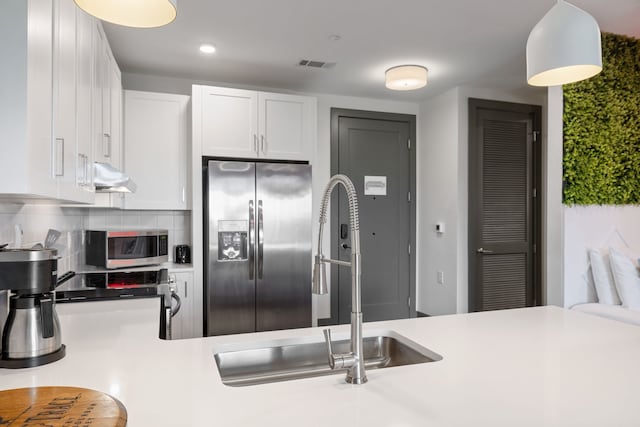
(602, 129)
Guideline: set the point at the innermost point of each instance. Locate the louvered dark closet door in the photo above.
(502, 220)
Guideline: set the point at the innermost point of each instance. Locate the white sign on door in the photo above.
(375, 185)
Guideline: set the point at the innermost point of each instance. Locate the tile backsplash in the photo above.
(177, 222)
(35, 220)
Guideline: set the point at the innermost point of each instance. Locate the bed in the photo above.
(601, 228)
(614, 312)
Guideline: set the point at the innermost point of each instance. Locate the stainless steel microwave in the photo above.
(126, 248)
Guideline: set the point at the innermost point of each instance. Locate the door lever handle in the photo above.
(345, 246)
(483, 251)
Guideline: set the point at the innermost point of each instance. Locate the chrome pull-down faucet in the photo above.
(354, 360)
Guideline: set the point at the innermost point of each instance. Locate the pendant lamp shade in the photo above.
(564, 47)
(406, 77)
(132, 13)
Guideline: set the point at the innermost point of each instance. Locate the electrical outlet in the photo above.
(441, 277)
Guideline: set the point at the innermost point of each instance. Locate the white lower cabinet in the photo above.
(156, 149)
(183, 323)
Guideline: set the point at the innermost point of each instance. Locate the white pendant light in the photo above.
(406, 77)
(132, 13)
(564, 47)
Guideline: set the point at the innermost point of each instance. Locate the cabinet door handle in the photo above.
(59, 157)
(262, 144)
(106, 145)
(81, 171)
(255, 143)
(87, 170)
(186, 292)
(83, 166)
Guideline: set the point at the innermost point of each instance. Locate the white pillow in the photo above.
(627, 279)
(603, 279)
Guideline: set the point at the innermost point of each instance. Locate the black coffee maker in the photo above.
(31, 333)
(183, 254)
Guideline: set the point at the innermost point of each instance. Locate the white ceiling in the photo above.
(261, 41)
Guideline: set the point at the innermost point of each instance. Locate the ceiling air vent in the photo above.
(315, 64)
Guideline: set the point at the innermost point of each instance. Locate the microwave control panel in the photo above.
(163, 244)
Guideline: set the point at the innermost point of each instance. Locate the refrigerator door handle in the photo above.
(260, 240)
(251, 251)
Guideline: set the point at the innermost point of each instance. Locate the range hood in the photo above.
(108, 179)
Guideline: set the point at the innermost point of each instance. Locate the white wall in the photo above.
(552, 200)
(181, 86)
(438, 182)
(444, 125)
(321, 161)
(442, 178)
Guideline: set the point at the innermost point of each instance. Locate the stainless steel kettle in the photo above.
(32, 329)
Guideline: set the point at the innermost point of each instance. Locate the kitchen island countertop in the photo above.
(541, 366)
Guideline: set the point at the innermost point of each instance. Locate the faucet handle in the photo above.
(327, 340)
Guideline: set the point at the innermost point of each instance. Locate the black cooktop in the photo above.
(76, 287)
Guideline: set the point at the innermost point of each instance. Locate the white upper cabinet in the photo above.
(56, 73)
(249, 124)
(69, 165)
(84, 82)
(105, 78)
(156, 149)
(115, 114)
(229, 122)
(286, 126)
(26, 141)
(106, 112)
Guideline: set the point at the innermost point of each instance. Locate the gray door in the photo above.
(502, 205)
(366, 146)
(283, 216)
(230, 271)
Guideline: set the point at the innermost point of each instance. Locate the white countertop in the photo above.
(542, 366)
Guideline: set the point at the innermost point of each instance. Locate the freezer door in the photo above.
(230, 229)
(283, 247)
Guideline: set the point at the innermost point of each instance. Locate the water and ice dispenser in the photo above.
(232, 240)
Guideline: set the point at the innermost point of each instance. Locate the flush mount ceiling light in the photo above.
(406, 77)
(564, 47)
(132, 13)
(207, 48)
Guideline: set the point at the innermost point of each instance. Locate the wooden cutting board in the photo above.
(60, 407)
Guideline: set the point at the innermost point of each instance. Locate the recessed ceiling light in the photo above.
(207, 48)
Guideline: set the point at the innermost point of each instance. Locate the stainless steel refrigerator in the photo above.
(258, 246)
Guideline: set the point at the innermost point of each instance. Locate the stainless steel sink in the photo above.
(296, 359)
